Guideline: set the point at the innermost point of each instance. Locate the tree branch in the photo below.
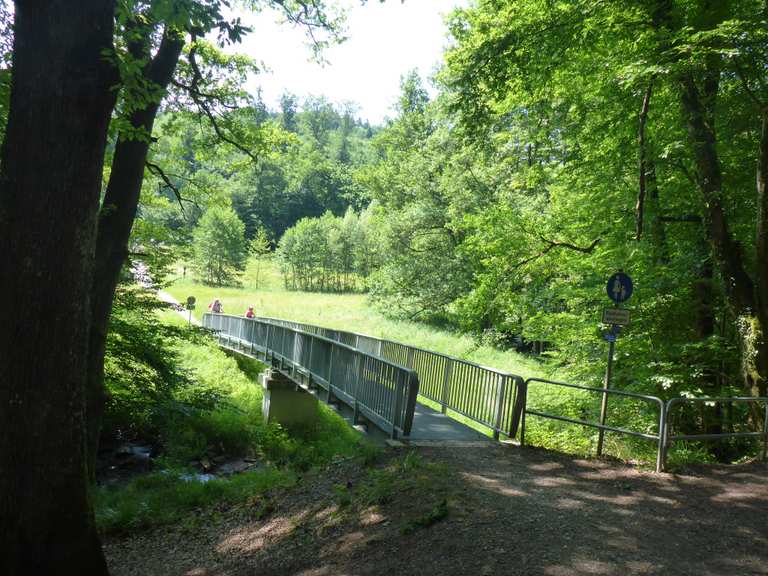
(203, 105)
(751, 93)
(643, 146)
(190, 90)
(157, 171)
(552, 244)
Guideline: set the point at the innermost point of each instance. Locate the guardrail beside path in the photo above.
(662, 435)
(381, 391)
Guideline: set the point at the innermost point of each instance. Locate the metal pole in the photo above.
(409, 358)
(446, 385)
(765, 432)
(524, 391)
(502, 387)
(330, 372)
(660, 456)
(604, 400)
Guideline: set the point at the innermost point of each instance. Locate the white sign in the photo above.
(618, 316)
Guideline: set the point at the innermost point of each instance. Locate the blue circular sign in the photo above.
(619, 287)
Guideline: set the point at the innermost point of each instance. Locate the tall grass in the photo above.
(350, 312)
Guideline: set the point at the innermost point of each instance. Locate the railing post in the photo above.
(413, 392)
(330, 373)
(765, 432)
(665, 434)
(309, 368)
(267, 349)
(660, 457)
(523, 406)
(447, 372)
(380, 347)
(359, 370)
(519, 406)
(396, 401)
(409, 358)
(500, 394)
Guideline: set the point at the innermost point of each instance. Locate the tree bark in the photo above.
(114, 229)
(756, 369)
(52, 159)
(645, 162)
(745, 296)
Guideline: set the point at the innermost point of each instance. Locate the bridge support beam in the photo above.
(285, 402)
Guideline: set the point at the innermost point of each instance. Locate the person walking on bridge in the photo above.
(250, 313)
(216, 306)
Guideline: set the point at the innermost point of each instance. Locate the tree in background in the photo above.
(622, 136)
(331, 253)
(219, 246)
(413, 181)
(258, 248)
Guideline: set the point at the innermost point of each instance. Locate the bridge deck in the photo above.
(429, 424)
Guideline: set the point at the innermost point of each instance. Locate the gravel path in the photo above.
(504, 511)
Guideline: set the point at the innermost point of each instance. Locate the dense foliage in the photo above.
(572, 140)
(564, 146)
(219, 246)
(330, 253)
(303, 165)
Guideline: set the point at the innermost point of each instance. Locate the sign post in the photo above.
(619, 289)
(190, 306)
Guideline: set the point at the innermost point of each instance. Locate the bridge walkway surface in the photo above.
(431, 425)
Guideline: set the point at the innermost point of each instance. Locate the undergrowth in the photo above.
(229, 427)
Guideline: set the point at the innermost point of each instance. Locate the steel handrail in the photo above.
(659, 437)
(409, 346)
(504, 396)
(668, 439)
(403, 394)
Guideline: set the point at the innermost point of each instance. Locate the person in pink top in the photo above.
(216, 306)
(249, 313)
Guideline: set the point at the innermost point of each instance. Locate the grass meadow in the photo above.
(262, 287)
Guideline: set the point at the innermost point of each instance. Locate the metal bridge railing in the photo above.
(378, 389)
(482, 394)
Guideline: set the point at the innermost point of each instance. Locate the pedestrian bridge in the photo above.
(377, 389)
(381, 382)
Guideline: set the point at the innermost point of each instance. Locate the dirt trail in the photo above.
(500, 510)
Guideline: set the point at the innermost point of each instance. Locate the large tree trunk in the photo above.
(746, 297)
(52, 157)
(756, 370)
(114, 229)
